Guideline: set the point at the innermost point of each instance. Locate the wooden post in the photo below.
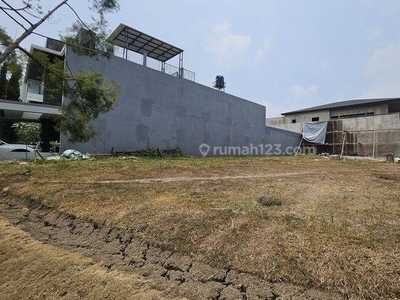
(298, 148)
(36, 149)
(373, 145)
(40, 155)
(344, 135)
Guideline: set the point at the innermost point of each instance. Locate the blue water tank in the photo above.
(219, 82)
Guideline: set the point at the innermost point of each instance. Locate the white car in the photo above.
(16, 151)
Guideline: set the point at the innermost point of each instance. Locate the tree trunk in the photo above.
(14, 45)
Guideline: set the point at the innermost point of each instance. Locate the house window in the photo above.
(293, 121)
(314, 119)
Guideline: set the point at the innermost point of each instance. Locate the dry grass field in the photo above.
(322, 224)
(32, 270)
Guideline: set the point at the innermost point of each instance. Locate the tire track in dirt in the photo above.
(121, 250)
(187, 179)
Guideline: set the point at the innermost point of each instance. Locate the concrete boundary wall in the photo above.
(367, 136)
(157, 110)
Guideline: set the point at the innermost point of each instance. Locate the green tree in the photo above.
(93, 35)
(87, 94)
(9, 89)
(101, 7)
(88, 97)
(28, 133)
(13, 88)
(5, 42)
(54, 146)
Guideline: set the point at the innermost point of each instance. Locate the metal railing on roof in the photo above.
(175, 71)
(157, 65)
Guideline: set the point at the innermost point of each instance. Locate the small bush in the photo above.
(269, 201)
(156, 153)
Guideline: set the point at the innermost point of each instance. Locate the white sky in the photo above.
(284, 54)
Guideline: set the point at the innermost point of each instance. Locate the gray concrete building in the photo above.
(164, 108)
(366, 127)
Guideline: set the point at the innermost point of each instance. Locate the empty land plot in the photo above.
(324, 224)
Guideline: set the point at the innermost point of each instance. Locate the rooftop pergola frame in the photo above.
(130, 39)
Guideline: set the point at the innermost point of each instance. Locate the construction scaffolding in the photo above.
(375, 143)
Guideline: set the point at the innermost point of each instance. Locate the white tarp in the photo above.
(315, 132)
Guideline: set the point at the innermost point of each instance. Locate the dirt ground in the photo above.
(31, 269)
(196, 228)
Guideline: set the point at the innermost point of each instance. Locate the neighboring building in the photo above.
(366, 127)
(16, 111)
(158, 108)
(38, 103)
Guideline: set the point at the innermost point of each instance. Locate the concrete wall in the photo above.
(285, 140)
(296, 127)
(375, 135)
(307, 117)
(379, 109)
(326, 115)
(381, 122)
(156, 110)
(286, 122)
(367, 136)
(299, 118)
(275, 121)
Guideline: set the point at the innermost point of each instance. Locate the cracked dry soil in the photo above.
(121, 250)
